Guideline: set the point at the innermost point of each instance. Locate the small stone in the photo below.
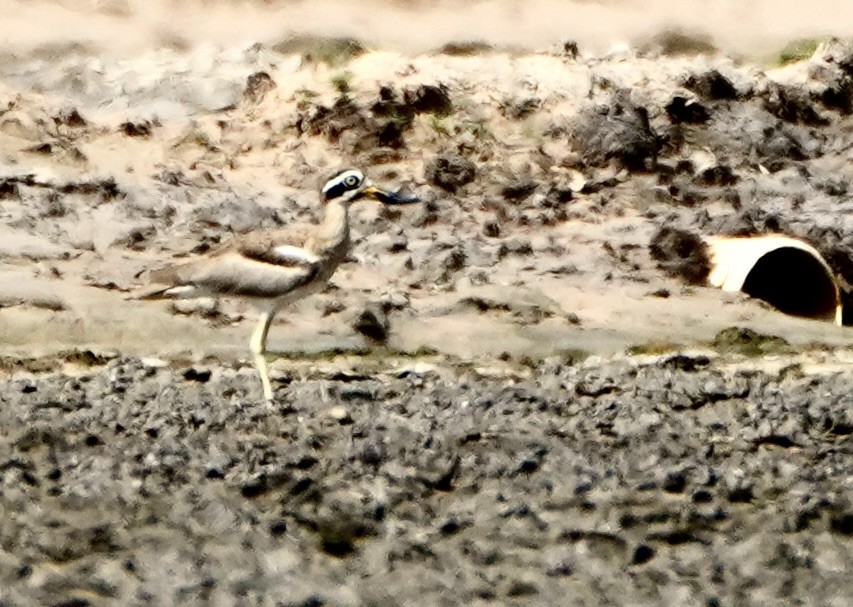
(675, 482)
(519, 588)
(492, 228)
(203, 306)
(278, 527)
(341, 415)
(681, 254)
(136, 129)
(690, 111)
(200, 375)
(257, 87)
(429, 99)
(643, 554)
(711, 85)
(450, 171)
(373, 322)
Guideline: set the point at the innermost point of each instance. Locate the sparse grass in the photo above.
(334, 51)
(795, 51)
(440, 124)
(654, 348)
(677, 43)
(740, 340)
(465, 49)
(341, 83)
(731, 340)
(304, 97)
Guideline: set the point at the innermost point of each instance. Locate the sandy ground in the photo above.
(755, 29)
(554, 408)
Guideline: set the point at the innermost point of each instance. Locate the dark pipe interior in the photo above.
(794, 282)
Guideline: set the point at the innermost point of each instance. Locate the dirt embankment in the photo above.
(550, 172)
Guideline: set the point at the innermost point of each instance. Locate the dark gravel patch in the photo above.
(676, 482)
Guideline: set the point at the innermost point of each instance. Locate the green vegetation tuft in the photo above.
(466, 49)
(796, 50)
(654, 348)
(334, 51)
(740, 340)
(341, 83)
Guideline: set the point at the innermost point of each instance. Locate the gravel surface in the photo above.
(673, 480)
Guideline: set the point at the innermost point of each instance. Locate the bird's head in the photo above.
(351, 184)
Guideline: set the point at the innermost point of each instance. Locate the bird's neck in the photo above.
(334, 229)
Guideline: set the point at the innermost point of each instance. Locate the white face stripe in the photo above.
(295, 254)
(340, 179)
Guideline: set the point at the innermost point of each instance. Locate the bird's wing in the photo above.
(256, 265)
(235, 274)
(281, 248)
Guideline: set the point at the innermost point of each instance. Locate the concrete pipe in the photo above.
(787, 273)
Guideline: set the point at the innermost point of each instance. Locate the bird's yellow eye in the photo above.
(351, 181)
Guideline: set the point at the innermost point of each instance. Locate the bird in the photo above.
(272, 268)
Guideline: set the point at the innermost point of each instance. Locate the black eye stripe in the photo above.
(342, 183)
(335, 191)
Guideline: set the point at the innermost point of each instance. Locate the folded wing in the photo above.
(256, 268)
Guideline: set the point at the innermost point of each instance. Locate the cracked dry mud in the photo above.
(672, 480)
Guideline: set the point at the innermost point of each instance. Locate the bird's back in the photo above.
(270, 264)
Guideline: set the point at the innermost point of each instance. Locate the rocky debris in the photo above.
(826, 79)
(10, 186)
(71, 118)
(257, 87)
(619, 131)
(684, 109)
(450, 171)
(348, 124)
(372, 322)
(681, 254)
(429, 99)
(614, 471)
(712, 85)
(519, 189)
(792, 104)
(136, 237)
(138, 128)
(525, 306)
(520, 108)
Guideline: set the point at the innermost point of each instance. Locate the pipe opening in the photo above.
(795, 282)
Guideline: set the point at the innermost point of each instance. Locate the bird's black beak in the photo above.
(387, 197)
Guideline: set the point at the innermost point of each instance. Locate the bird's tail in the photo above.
(159, 292)
(172, 290)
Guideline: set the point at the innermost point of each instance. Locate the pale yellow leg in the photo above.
(258, 346)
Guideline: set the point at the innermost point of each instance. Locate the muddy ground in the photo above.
(523, 391)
